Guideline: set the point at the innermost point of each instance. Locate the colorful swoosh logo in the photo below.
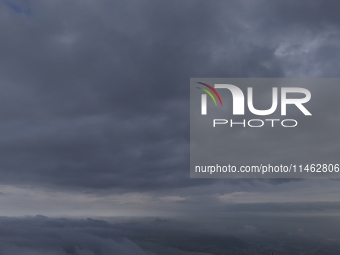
(211, 92)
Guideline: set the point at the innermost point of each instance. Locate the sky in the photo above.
(94, 104)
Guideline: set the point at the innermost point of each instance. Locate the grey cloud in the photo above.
(238, 235)
(96, 95)
(94, 103)
(43, 236)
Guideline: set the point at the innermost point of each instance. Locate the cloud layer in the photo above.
(94, 97)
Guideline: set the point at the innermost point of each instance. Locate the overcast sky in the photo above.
(94, 101)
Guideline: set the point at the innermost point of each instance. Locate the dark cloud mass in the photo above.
(152, 236)
(96, 95)
(58, 237)
(94, 104)
(94, 122)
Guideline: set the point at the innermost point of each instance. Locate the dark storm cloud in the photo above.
(95, 95)
(42, 235)
(97, 100)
